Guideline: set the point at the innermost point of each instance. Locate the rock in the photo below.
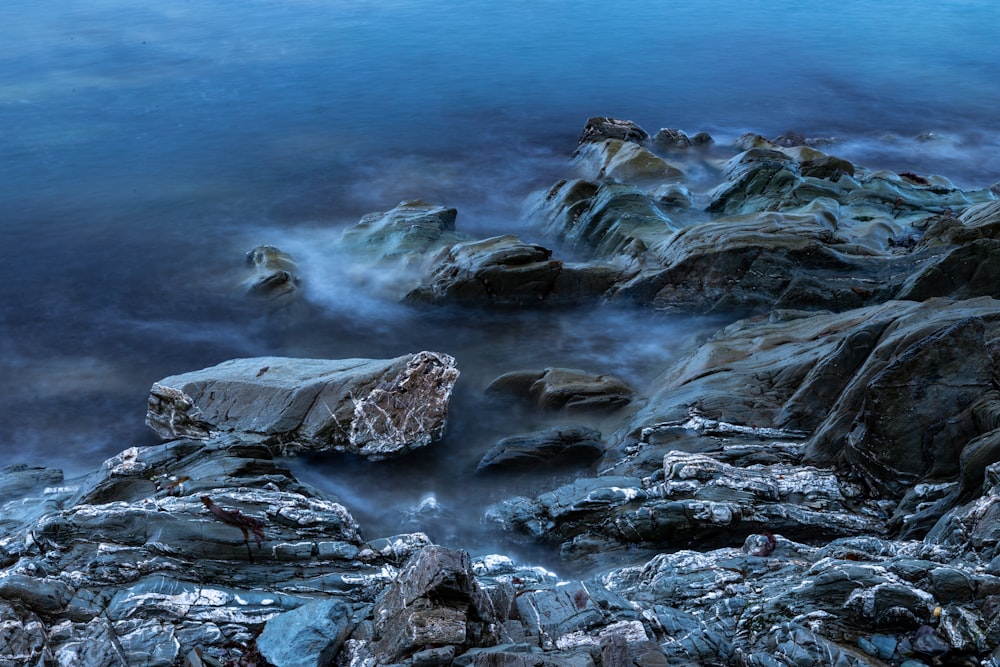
(505, 271)
(625, 161)
(434, 600)
(668, 139)
(908, 428)
(700, 501)
(567, 389)
(605, 219)
(308, 636)
(274, 277)
(374, 408)
(555, 447)
(964, 272)
(827, 166)
(406, 235)
(600, 128)
(979, 221)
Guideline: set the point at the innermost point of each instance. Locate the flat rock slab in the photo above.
(376, 408)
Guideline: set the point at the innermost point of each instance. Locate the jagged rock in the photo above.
(599, 128)
(980, 221)
(274, 277)
(564, 389)
(434, 600)
(605, 219)
(895, 383)
(555, 447)
(505, 271)
(700, 500)
(375, 408)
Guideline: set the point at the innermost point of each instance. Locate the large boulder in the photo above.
(374, 408)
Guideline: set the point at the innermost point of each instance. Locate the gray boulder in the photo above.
(375, 408)
(308, 636)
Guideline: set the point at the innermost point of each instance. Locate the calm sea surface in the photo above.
(145, 147)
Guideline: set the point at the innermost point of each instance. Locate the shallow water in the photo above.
(147, 148)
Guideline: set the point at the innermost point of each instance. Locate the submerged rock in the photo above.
(375, 408)
(274, 277)
(567, 389)
(552, 448)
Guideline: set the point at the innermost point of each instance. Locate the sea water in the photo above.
(145, 147)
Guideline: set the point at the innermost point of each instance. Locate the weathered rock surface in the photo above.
(405, 234)
(375, 408)
(816, 485)
(505, 271)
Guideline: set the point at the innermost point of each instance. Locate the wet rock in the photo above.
(434, 600)
(505, 271)
(20, 479)
(405, 235)
(375, 408)
(669, 139)
(605, 220)
(625, 161)
(308, 636)
(274, 278)
(700, 501)
(555, 447)
(964, 272)
(567, 389)
(600, 128)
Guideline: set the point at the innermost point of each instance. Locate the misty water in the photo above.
(147, 146)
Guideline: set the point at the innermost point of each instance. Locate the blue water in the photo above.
(146, 146)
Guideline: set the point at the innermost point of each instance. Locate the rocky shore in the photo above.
(817, 484)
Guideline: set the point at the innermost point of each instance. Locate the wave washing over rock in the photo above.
(817, 484)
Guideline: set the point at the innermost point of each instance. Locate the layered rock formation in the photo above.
(817, 484)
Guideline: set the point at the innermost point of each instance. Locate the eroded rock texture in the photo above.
(375, 408)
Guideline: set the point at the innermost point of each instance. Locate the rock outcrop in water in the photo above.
(375, 408)
(817, 484)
